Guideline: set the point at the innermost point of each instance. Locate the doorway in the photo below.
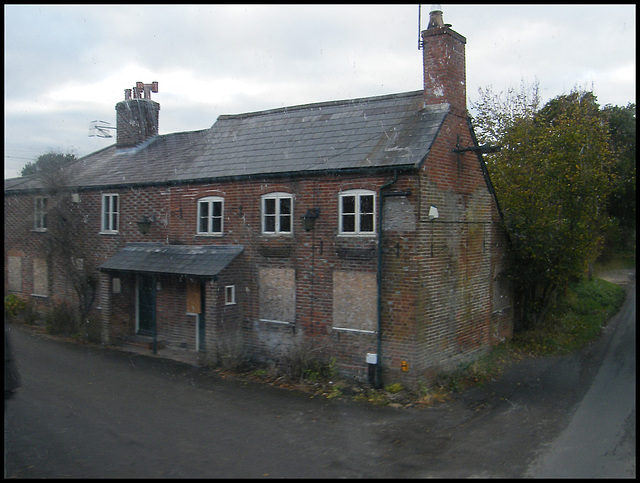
(146, 304)
(195, 306)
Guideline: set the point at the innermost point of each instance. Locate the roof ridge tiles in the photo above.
(321, 104)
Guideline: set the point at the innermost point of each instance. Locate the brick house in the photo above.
(367, 229)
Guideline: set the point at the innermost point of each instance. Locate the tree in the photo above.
(498, 112)
(64, 239)
(622, 203)
(552, 178)
(50, 163)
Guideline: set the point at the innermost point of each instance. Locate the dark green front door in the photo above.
(201, 320)
(146, 304)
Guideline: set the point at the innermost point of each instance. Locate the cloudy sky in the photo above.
(66, 66)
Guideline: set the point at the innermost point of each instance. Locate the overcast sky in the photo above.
(68, 65)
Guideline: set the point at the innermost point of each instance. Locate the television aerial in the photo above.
(100, 129)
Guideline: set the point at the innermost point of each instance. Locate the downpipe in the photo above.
(378, 367)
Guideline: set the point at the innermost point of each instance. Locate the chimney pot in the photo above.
(435, 17)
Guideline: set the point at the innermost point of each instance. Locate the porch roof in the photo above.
(190, 260)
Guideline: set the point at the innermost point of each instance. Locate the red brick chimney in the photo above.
(444, 64)
(137, 117)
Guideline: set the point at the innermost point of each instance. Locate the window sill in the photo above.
(108, 233)
(39, 230)
(209, 235)
(357, 235)
(279, 322)
(502, 311)
(359, 331)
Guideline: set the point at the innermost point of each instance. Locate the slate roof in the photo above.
(189, 260)
(392, 131)
(372, 132)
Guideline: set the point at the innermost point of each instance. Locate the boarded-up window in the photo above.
(40, 277)
(277, 294)
(15, 274)
(193, 297)
(354, 300)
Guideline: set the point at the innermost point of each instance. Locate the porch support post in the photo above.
(153, 314)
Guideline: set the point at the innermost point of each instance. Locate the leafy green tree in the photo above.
(622, 203)
(552, 179)
(49, 162)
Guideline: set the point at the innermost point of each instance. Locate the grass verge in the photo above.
(576, 319)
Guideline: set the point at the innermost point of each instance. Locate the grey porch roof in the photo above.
(189, 260)
(392, 131)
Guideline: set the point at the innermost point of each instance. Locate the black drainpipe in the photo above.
(378, 378)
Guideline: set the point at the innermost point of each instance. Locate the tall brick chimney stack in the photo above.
(444, 64)
(137, 116)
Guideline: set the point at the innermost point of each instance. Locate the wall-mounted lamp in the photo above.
(144, 225)
(433, 213)
(309, 218)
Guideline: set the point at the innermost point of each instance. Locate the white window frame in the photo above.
(40, 213)
(357, 194)
(278, 230)
(230, 295)
(108, 213)
(210, 200)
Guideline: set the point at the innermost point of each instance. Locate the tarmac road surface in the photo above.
(600, 438)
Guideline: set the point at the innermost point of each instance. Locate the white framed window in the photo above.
(116, 285)
(277, 213)
(40, 214)
(357, 209)
(110, 213)
(210, 215)
(230, 295)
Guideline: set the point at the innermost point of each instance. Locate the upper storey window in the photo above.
(357, 212)
(40, 214)
(110, 213)
(277, 213)
(210, 215)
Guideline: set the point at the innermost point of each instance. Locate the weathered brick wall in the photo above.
(459, 252)
(122, 306)
(224, 323)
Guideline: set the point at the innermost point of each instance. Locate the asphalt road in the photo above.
(85, 411)
(599, 440)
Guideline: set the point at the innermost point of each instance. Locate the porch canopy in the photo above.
(191, 260)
